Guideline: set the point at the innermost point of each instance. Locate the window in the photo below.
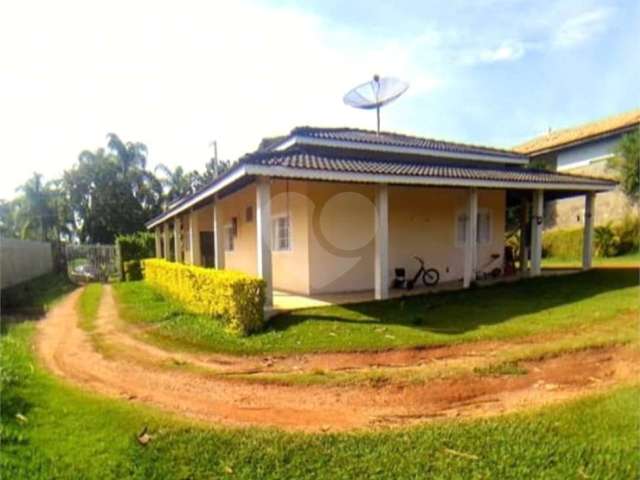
(229, 238)
(281, 233)
(483, 234)
(248, 214)
(484, 227)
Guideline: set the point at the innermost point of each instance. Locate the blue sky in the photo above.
(505, 70)
(177, 75)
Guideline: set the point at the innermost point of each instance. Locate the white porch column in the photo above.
(263, 235)
(167, 248)
(587, 248)
(524, 216)
(177, 238)
(536, 233)
(194, 239)
(158, 242)
(218, 238)
(470, 244)
(381, 242)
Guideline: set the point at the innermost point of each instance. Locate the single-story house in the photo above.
(584, 150)
(325, 210)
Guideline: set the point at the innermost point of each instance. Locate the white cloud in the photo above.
(580, 28)
(507, 51)
(176, 76)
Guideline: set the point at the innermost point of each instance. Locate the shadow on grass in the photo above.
(458, 312)
(30, 300)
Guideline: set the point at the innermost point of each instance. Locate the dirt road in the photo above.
(187, 383)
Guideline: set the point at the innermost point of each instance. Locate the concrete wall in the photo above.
(609, 207)
(22, 260)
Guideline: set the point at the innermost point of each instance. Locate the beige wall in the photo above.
(422, 222)
(332, 238)
(341, 244)
(204, 224)
(290, 268)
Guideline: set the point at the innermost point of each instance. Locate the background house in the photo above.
(583, 150)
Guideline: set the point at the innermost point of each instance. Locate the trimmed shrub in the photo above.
(235, 298)
(628, 233)
(609, 240)
(132, 270)
(566, 244)
(135, 246)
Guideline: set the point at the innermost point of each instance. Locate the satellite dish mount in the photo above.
(375, 94)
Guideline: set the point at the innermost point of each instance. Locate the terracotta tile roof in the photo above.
(370, 137)
(309, 160)
(559, 138)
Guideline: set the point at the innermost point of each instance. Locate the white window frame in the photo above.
(274, 233)
(228, 234)
(457, 232)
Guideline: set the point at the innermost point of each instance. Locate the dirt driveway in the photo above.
(113, 362)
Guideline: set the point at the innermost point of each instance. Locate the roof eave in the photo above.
(222, 182)
(580, 141)
(309, 174)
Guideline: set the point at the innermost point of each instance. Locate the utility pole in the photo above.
(215, 158)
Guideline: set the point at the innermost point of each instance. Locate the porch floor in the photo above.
(286, 301)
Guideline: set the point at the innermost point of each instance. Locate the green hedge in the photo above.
(135, 246)
(565, 244)
(235, 298)
(609, 240)
(132, 270)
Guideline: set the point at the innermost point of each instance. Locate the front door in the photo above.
(207, 249)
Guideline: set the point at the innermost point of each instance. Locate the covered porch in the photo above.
(288, 301)
(204, 234)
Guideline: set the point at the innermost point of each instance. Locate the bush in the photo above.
(606, 243)
(628, 233)
(609, 240)
(566, 244)
(235, 298)
(132, 270)
(136, 246)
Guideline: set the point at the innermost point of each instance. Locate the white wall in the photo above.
(22, 260)
(583, 155)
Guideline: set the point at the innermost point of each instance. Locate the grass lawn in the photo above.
(628, 260)
(88, 305)
(35, 296)
(498, 312)
(51, 430)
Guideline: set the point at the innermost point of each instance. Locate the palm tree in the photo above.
(176, 182)
(36, 216)
(131, 155)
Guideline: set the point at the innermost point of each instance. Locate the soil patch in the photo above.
(126, 373)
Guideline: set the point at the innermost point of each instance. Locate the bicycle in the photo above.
(430, 276)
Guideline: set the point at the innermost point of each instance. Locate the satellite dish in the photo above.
(375, 94)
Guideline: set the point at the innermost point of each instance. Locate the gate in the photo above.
(91, 263)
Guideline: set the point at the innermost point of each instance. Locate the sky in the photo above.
(178, 75)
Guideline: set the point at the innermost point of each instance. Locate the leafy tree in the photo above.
(627, 163)
(8, 219)
(102, 198)
(210, 171)
(176, 182)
